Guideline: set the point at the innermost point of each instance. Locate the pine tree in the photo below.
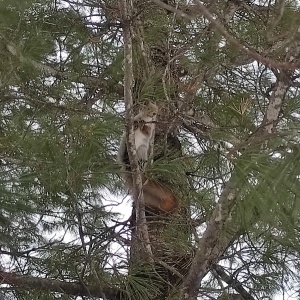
(225, 75)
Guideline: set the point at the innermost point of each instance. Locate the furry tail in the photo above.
(156, 194)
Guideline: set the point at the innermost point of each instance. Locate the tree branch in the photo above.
(141, 225)
(232, 282)
(211, 245)
(214, 242)
(271, 117)
(52, 285)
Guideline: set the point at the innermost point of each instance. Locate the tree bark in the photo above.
(53, 285)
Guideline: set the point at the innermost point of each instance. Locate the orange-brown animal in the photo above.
(156, 194)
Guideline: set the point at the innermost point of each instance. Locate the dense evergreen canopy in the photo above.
(225, 75)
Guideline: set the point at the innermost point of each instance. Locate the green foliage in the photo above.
(142, 283)
(61, 79)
